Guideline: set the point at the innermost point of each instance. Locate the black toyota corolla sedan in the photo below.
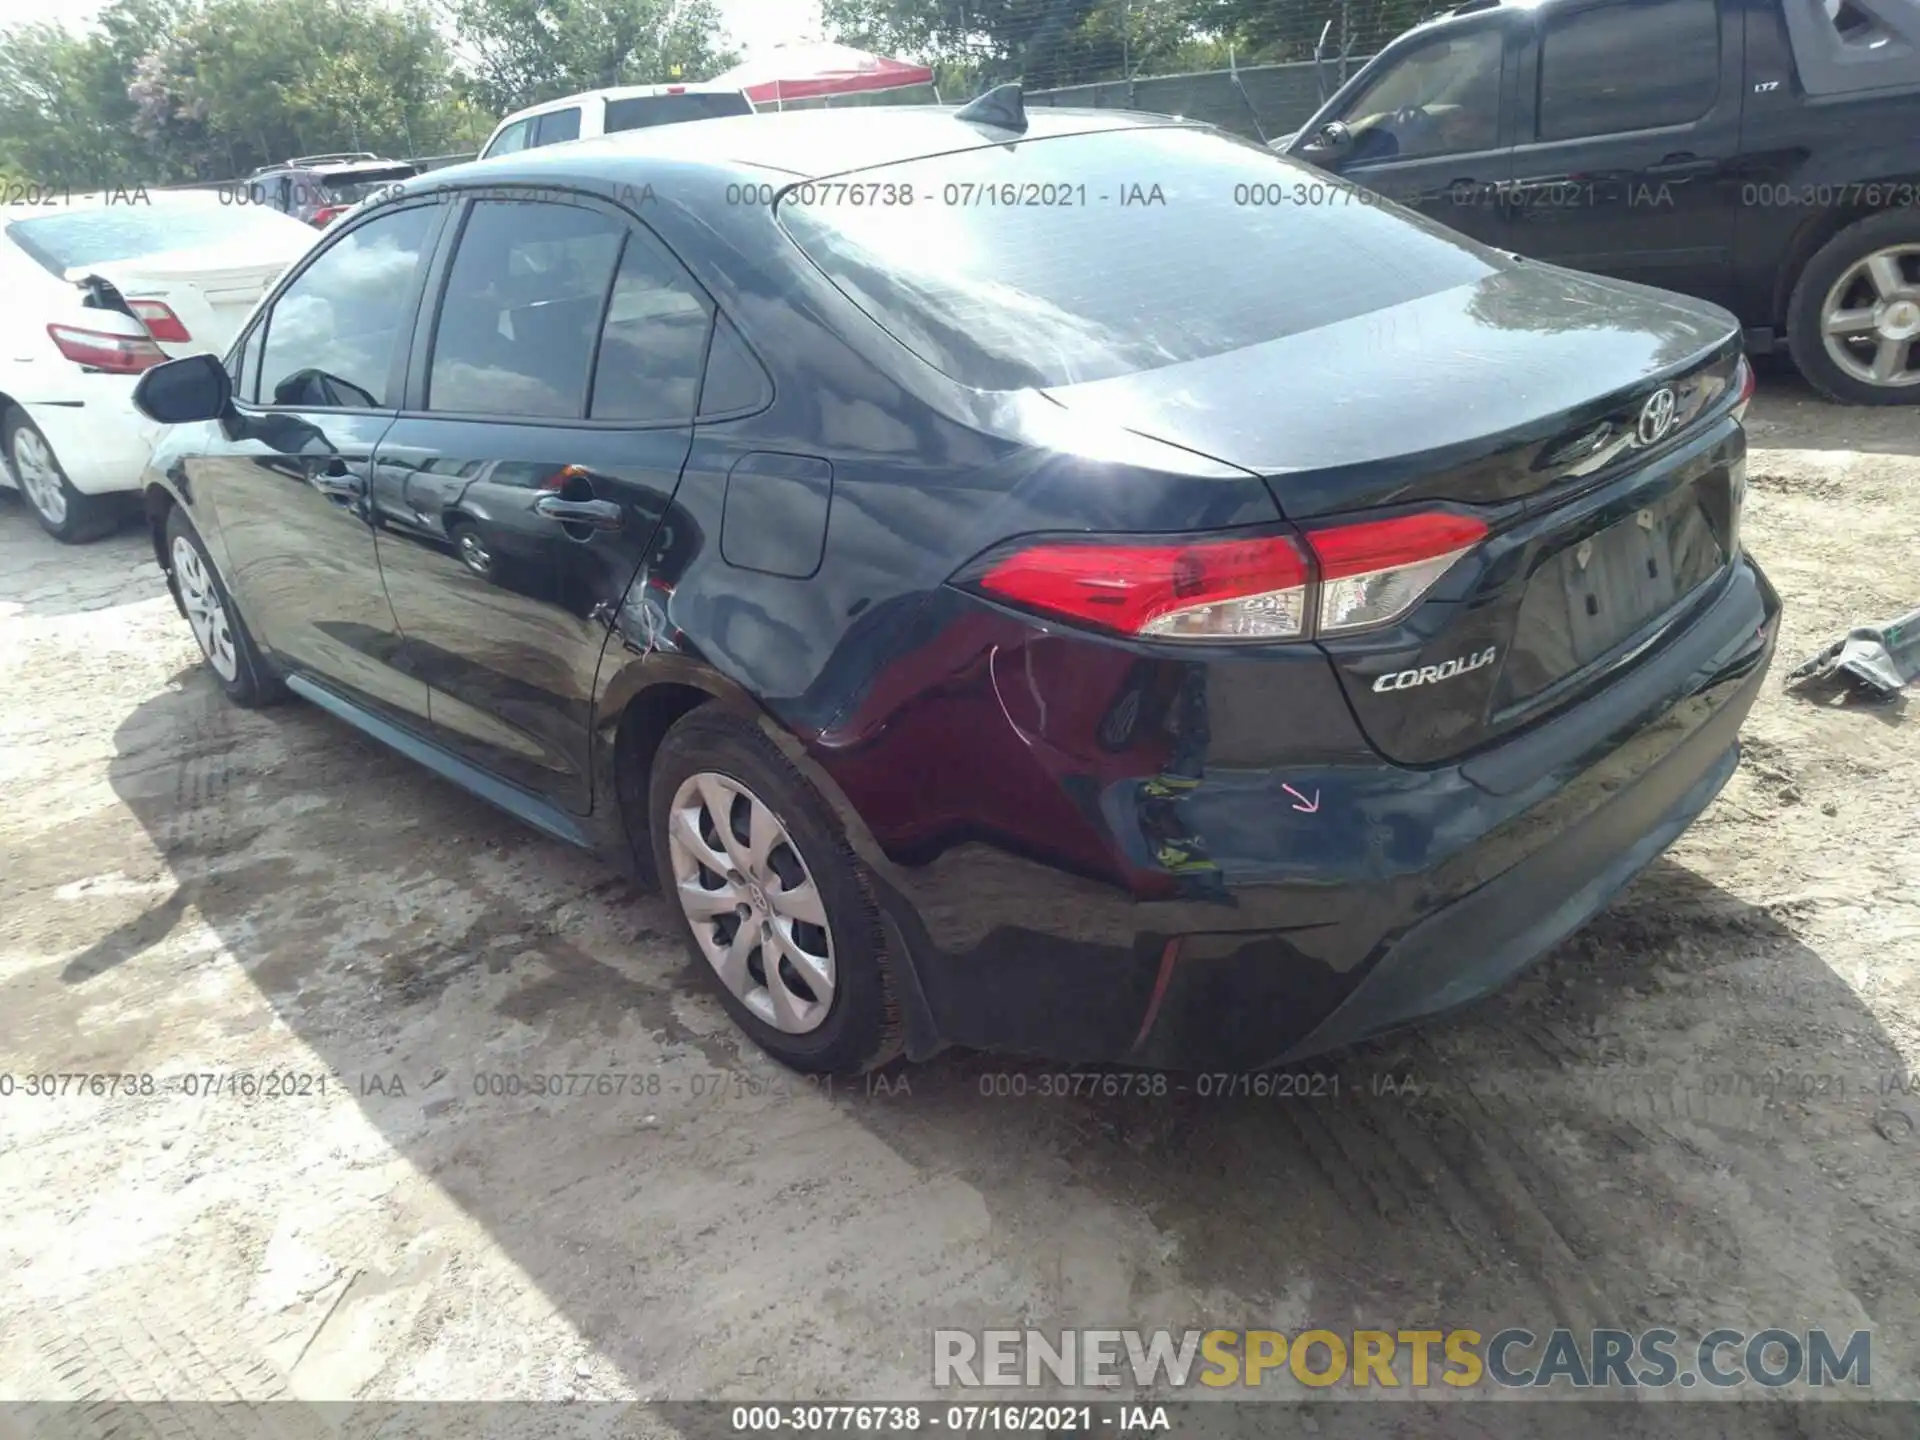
(1076, 583)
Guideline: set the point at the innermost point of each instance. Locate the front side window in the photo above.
(1629, 66)
(522, 308)
(1442, 98)
(558, 125)
(654, 343)
(513, 138)
(332, 335)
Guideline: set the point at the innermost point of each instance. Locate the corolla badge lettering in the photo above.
(1431, 674)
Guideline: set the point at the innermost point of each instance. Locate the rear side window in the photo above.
(513, 138)
(522, 308)
(1630, 65)
(331, 335)
(654, 343)
(558, 125)
(1050, 262)
(639, 111)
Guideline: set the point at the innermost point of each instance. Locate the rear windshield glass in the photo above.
(1061, 260)
(640, 111)
(91, 233)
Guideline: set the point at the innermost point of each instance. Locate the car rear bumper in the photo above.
(102, 443)
(1400, 894)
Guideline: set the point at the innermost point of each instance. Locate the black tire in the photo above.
(862, 1029)
(254, 683)
(1805, 337)
(83, 517)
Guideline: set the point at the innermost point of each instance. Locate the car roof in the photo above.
(796, 142)
(619, 92)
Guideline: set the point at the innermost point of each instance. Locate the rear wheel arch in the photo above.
(643, 721)
(1814, 234)
(8, 403)
(157, 503)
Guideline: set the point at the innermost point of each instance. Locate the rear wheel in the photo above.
(1853, 324)
(243, 674)
(63, 512)
(776, 908)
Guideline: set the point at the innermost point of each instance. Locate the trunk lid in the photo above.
(212, 289)
(1518, 399)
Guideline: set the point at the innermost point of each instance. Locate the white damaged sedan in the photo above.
(100, 287)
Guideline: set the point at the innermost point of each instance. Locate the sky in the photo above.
(754, 25)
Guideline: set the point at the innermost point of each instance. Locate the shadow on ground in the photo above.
(1617, 1142)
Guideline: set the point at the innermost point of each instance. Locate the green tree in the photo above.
(250, 82)
(526, 51)
(1040, 42)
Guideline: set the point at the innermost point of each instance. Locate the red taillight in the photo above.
(1377, 570)
(1238, 589)
(1746, 382)
(101, 350)
(327, 214)
(676, 89)
(1351, 577)
(161, 322)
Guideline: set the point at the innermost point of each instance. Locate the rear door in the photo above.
(1629, 165)
(548, 416)
(1429, 130)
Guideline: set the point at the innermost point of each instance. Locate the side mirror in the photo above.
(1332, 141)
(195, 388)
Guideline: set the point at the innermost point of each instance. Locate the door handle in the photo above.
(594, 514)
(337, 481)
(1676, 167)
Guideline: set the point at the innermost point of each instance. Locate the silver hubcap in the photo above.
(204, 611)
(474, 553)
(751, 901)
(39, 476)
(1872, 318)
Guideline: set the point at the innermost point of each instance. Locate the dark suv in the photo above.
(320, 188)
(1762, 154)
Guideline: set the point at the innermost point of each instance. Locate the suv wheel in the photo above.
(1854, 322)
(244, 676)
(775, 907)
(63, 512)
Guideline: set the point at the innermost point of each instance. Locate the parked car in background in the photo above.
(987, 626)
(99, 288)
(320, 188)
(1762, 154)
(606, 112)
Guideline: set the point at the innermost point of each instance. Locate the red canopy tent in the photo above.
(819, 69)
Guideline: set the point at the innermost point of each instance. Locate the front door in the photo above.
(1631, 137)
(1426, 130)
(287, 477)
(546, 426)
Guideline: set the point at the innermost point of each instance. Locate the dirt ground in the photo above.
(1700, 1111)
